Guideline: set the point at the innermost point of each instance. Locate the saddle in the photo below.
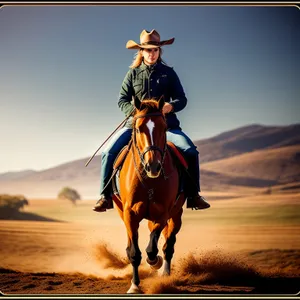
(121, 156)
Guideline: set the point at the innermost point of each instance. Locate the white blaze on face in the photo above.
(150, 125)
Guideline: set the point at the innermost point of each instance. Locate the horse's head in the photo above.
(149, 134)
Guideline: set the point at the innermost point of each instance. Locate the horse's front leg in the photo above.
(133, 251)
(169, 232)
(154, 260)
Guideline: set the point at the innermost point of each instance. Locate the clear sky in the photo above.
(61, 68)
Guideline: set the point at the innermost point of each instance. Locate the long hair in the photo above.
(138, 58)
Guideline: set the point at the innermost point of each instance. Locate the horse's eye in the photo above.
(137, 130)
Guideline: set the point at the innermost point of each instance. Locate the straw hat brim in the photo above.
(133, 45)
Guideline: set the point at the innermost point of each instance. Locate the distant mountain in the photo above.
(247, 139)
(250, 156)
(16, 175)
(68, 171)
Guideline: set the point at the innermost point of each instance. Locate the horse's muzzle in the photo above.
(153, 169)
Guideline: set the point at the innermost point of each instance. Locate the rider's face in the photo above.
(150, 55)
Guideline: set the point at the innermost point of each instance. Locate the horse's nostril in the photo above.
(147, 167)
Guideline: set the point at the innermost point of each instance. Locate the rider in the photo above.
(149, 77)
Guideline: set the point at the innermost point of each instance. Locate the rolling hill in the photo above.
(272, 166)
(247, 139)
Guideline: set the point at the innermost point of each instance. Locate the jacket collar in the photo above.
(144, 67)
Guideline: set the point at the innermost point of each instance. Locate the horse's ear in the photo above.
(161, 102)
(137, 103)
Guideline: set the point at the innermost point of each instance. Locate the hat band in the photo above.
(151, 43)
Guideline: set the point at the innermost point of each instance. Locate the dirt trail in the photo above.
(212, 272)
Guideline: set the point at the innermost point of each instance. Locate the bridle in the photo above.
(149, 148)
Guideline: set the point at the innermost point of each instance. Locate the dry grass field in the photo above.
(243, 244)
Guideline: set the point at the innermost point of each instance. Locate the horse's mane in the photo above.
(149, 106)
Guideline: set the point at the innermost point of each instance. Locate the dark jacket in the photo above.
(146, 82)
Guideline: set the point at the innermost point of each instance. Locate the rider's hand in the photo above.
(167, 108)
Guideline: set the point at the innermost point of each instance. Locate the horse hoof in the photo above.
(134, 289)
(156, 264)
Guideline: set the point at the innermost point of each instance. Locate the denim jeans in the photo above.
(191, 154)
(122, 137)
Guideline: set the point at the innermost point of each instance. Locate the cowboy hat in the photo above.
(149, 40)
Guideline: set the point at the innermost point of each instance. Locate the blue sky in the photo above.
(62, 68)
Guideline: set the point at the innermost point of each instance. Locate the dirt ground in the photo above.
(217, 251)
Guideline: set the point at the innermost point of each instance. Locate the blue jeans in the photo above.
(122, 137)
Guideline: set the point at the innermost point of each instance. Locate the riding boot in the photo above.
(192, 185)
(105, 201)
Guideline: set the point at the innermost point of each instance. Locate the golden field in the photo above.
(244, 243)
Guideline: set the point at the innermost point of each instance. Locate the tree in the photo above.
(68, 193)
(12, 203)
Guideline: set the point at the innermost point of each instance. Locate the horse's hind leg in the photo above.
(133, 251)
(154, 260)
(169, 232)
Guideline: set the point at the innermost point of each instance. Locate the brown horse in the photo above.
(149, 189)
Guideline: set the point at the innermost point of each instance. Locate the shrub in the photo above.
(12, 202)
